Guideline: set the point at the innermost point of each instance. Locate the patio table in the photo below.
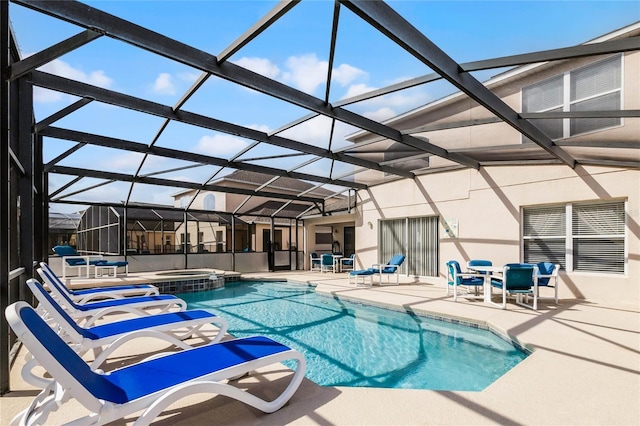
(487, 271)
(336, 262)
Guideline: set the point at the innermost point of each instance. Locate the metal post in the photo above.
(186, 239)
(40, 211)
(5, 243)
(25, 185)
(233, 242)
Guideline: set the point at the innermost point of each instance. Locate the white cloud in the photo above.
(189, 76)
(64, 69)
(358, 89)
(306, 72)
(387, 106)
(315, 131)
(345, 74)
(260, 65)
(220, 145)
(260, 127)
(381, 114)
(164, 84)
(46, 96)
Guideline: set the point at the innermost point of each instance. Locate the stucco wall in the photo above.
(487, 205)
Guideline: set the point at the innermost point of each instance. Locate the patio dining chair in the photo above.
(150, 386)
(315, 261)
(519, 279)
(465, 280)
(548, 277)
(348, 263)
(327, 263)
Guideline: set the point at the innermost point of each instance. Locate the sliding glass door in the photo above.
(415, 237)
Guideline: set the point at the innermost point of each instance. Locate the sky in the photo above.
(294, 51)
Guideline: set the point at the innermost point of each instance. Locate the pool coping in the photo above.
(451, 319)
(585, 371)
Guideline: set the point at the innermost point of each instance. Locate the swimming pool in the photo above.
(348, 344)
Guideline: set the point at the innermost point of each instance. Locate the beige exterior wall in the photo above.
(487, 205)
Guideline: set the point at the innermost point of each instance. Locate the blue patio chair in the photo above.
(72, 259)
(172, 327)
(479, 262)
(327, 263)
(456, 278)
(315, 262)
(548, 277)
(348, 263)
(519, 279)
(150, 386)
(391, 268)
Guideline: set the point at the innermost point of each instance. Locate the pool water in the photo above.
(348, 344)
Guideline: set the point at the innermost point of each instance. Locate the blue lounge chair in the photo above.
(327, 263)
(468, 280)
(519, 279)
(91, 312)
(391, 268)
(149, 386)
(361, 273)
(72, 259)
(171, 327)
(95, 293)
(315, 262)
(548, 277)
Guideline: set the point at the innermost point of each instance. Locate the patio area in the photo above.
(584, 370)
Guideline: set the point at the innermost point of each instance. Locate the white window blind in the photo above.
(416, 238)
(594, 87)
(544, 231)
(596, 236)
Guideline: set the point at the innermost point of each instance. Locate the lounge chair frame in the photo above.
(98, 293)
(91, 312)
(172, 328)
(391, 268)
(106, 395)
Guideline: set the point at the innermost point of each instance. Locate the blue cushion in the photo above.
(65, 251)
(362, 272)
(117, 263)
(142, 323)
(123, 302)
(545, 268)
(94, 290)
(148, 377)
(138, 380)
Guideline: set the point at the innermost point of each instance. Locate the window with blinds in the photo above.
(598, 237)
(416, 238)
(586, 237)
(595, 87)
(544, 230)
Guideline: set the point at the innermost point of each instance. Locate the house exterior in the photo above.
(586, 218)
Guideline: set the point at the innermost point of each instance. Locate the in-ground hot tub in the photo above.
(188, 280)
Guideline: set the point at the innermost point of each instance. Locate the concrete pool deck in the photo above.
(584, 370)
